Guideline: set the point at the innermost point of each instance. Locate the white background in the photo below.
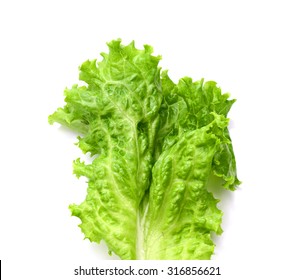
(246, 46)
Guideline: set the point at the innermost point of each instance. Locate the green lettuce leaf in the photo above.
(182, 214)
(117, 114)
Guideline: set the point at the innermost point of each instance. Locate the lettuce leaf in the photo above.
(182, 213)
(117, 113)
(155, 145)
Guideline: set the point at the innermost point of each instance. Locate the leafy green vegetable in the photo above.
(156, 145)
(181, 212)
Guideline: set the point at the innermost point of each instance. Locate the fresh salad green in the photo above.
(156, 144)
